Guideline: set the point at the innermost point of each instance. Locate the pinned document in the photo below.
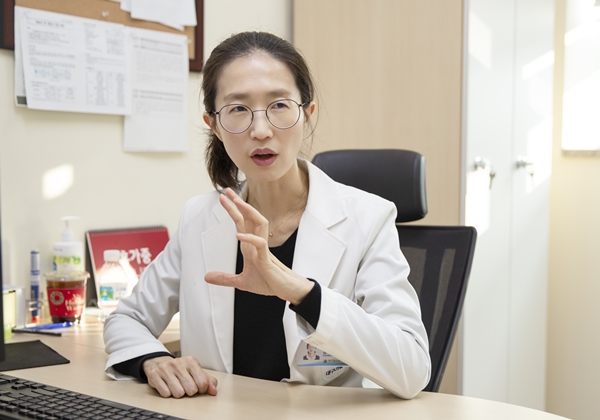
(72, 64)
(159, 117)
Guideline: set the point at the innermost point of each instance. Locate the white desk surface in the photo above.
(248, 398)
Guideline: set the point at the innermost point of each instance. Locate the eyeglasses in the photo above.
(237, 118)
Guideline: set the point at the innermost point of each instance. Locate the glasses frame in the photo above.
(218, 114)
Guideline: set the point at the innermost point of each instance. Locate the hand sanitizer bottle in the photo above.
(68, 253)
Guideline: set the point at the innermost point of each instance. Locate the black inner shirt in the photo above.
(259, 349)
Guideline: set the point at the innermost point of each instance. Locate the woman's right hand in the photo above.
(178, 377)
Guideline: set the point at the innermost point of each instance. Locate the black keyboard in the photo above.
(22, 399)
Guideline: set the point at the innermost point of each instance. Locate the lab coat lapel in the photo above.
(220, 254)
(318, 250)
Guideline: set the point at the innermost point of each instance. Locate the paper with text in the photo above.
(20, 97)
(74, 64)
(159, 118)
(174, 13)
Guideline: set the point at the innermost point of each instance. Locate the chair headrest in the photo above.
(394, 174)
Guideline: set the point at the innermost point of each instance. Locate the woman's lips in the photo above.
(263, 156)
(263, 159)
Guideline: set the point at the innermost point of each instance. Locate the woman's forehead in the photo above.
(256, 75)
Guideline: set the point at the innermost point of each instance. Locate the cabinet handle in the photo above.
(485, 165)
(525, 162)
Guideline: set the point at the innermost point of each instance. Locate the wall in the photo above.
(110, 188)
(573, 365)
(389, 74)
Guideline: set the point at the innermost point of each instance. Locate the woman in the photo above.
(284, 259)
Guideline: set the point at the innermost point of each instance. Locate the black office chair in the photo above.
(440, 257)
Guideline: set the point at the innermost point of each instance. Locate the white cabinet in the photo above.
(508, 93)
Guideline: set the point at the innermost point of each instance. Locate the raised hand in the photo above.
(263, 273)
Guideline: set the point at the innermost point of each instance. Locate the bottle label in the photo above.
(66, 264)
(112, 292)
(67, 302)
(106, 293)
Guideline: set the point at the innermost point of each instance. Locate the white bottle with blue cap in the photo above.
(112, 282)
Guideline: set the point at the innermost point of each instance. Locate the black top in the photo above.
(259, 348)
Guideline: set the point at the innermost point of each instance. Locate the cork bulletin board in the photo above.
(106, 10)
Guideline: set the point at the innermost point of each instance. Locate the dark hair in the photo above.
(221, 169)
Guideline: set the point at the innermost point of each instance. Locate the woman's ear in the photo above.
(212, 123)
(309, 111)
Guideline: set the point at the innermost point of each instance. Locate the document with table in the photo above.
(73, 64)
(248, 398)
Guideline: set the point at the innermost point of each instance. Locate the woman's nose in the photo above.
(261, 127)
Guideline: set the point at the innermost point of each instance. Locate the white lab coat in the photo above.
(370, 315)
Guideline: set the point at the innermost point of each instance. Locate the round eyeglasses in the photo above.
(237, 118)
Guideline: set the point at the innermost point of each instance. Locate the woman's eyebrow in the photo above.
(272, 94)
(279, 93)
(236, 96)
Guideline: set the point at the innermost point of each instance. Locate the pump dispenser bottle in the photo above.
(68, 253)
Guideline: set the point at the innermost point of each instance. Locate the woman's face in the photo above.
(263, 152)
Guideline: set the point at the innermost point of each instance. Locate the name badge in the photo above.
(309, 355)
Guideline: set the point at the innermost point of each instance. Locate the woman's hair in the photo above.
(221, 169)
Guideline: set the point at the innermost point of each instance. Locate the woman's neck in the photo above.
(280, 199)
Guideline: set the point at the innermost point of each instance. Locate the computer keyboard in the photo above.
(22, 399)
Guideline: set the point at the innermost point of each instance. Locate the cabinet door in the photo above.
(489, 103)
(530, 201)
(509, 97)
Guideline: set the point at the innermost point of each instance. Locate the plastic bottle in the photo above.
(68, 253)
(132, 277)
(113, 283)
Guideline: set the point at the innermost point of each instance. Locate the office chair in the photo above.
(440, 257)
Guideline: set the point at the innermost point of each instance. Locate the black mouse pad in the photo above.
(30, 354)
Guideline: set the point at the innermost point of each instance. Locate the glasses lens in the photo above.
(235, 118)
(284, 113)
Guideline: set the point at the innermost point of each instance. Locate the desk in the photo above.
(247, 398)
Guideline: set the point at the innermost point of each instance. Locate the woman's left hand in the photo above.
(263, 273)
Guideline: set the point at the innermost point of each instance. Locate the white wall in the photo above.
(573, 364)
(111, 188)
